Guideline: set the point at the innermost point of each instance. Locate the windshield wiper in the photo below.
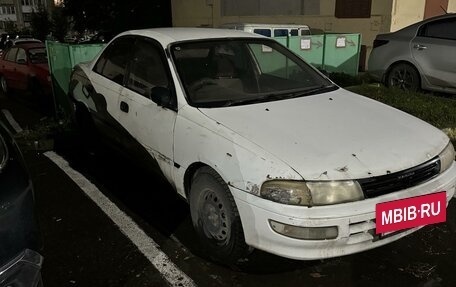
(281, 96)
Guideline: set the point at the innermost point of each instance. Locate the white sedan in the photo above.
(267, 151)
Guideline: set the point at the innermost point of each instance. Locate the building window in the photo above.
(270, 8)
(27, 17)
(353, 8)
(7, 10)
(26, 2)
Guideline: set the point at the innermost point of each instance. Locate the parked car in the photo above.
(267, 151)
(20, 263)
(420, 56)
(24, 67)
(270, 30)
(12, 42)
(5, 37)
(101, 37)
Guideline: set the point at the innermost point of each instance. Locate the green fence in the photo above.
(62, 58)
(329, 52)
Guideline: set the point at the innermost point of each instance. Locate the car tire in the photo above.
(4, 85)
(39, 96)
(404, 77)
(86, 127)
(216, 219)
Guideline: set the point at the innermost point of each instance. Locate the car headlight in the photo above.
(446, 157)
(3, 154)
(315, 193)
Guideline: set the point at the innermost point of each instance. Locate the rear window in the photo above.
(38, 56)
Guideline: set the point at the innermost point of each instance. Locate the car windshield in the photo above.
(230, 72)
(38, 56)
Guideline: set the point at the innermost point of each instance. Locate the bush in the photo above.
(438, 111)
(346, 80)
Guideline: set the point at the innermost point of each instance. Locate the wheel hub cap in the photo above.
(215, 222)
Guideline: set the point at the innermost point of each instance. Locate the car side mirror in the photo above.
(21, 61)
(162, 97)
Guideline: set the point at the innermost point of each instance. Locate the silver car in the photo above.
(420, 56)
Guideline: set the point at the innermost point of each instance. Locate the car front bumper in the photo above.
(24, 270)
(355, 221)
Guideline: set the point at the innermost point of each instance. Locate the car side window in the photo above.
(442, 29)
(146, 68)
(113, 62)
(11, 55)
(21, 56)
(280, 32)
(264, 32)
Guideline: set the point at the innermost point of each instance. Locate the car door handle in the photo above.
(124, 107)
(420, 47)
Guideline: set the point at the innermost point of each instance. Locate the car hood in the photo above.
(334, 136)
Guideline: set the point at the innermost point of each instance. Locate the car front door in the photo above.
(151, 124)
(434, 51)
(9, 68)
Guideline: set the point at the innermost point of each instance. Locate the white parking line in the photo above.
(169, 271)
(9, 117)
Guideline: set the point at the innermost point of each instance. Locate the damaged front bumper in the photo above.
(24, 270)
(355, 222)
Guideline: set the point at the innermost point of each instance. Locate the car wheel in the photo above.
(86, 127)
(39, 96)
(404, 77)
(215, 218)
(4, 85)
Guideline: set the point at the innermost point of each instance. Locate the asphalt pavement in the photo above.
(85, 245)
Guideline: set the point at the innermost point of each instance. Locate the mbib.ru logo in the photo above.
(410, 212)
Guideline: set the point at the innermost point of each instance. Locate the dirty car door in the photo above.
(150, 123)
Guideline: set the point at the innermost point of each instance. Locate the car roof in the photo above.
(411, 28)
(17, 40)
(167, 36)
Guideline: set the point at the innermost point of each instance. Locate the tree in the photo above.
(118, 15)
(40, 23)
(60, 24)
(10, 27)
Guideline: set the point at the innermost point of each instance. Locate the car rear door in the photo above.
(434, 50)
(150, 124)
(21, 69)
(106, 83)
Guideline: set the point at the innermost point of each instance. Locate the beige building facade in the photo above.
(19, 12)
(367, 17)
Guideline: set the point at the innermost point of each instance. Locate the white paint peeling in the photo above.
(146, 245)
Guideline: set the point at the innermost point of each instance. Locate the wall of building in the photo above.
(386, 16)
(208, 13)
(406, 12)
(451, 6)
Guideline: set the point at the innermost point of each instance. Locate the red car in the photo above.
(25, 67)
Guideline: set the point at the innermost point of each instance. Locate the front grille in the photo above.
(380, 185)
